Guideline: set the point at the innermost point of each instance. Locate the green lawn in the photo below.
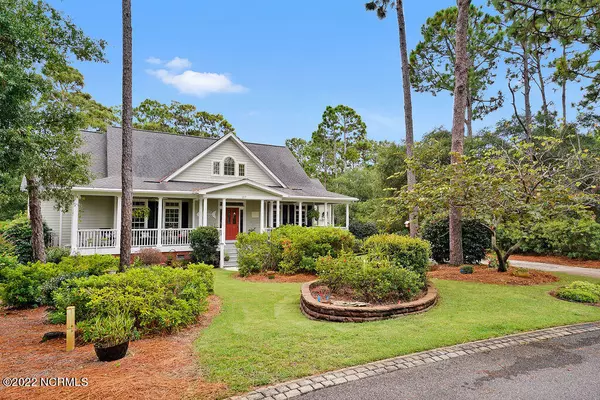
(261, 337)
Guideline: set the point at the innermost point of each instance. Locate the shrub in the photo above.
(204, 241)
(160, 299)
(466, 269)
(256, 253)
(18, 233)
(521, 273)
(369, 280)
(109, 331)
(7, 262)
(149, 256)
(476, 239)
(24, 283)
(363, 230)
(578, 295)
(6, 247)
(410, 253)
(56, 254)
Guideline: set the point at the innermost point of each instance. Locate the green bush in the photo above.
(466, 269)
(56, 254)
(580, 291)
(7, 262)
(403, 251)
(476, 239)
(6, 247)
(291, 248)
(160, 299)
(109, 331)
(32, 284)
(363, 230)
(204, 241)
(18, 232)
(571, 237)
(369, 280)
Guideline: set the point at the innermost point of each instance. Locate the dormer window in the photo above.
(229, 166)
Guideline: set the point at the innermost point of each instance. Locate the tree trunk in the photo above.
(503, 258)
(458, 122)
(408, 117)
(527, 90)
(564, 90)
(35, 219)
(538, 64)
(127, 147)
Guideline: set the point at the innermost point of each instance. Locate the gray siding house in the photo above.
(183, 182)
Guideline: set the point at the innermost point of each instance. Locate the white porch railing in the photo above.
(144, 237)
(176, 237)
(95, 238)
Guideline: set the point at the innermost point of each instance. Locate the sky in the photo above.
(270, 67)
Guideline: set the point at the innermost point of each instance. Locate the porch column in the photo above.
(326, 214)
(347, 216)
(204, 211)
(299, 213)
(223, 212)
(118, 223)
(74, 223)
(199, 216)
(277, 215)
(60, 227)
(159, 223)
(262, 216)
(193, 213)
(332, 216)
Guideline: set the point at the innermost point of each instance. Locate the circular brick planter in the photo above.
(329, 312)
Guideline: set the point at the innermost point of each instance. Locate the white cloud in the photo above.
(153, 60)
(197, 83)
(179, 63)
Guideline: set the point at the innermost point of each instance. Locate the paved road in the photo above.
(589, 272)
(561, 368)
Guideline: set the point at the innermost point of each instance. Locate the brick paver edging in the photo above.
(298, 387)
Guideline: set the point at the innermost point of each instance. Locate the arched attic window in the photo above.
(229, 166)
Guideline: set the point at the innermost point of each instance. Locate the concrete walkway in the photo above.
(589, 272)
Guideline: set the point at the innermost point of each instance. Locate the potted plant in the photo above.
(110, 335)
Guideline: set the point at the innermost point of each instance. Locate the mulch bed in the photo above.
(278, 278)
(348, 296)
(483, 274)
(160, 367)
(560, 260)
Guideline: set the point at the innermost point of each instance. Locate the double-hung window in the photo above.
(216, 170)
(172, 215)
(241, 169)
(229, 166)
(140, 222)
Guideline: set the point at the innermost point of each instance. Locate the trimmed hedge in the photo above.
(290, 249)
(204, 241)
(476, 239)
(368, 279)
(403, 251)
(363, 230)
(580, 291)
(160, 299)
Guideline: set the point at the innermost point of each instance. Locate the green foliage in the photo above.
(7, 262)
(150, 256)
(204, 241)
(369, 280)
(6, 247)
(580, 291)
(466, 269)
(363, 230)
(18, 233)
(109, 331)
(32, 284)
(402, 251)
(291, 248)
(160, 299)
(476, 239)
(56, 254)
(571, 237)
(179, 118)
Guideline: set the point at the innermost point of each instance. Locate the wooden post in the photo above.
(70, 328)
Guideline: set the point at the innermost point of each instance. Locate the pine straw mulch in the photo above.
(483, 274)
(159, 367)
(278, 278)
(560, 260)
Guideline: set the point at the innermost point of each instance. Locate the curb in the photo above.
(301, 386)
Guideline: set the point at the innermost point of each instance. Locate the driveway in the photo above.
(559, 368)
(589, 272)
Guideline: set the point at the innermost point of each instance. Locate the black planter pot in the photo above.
(112, 353)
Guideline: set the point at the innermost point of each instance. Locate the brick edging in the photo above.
(301, 386)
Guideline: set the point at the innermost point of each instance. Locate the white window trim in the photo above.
(235, 164)
(145, 201)
(178, 208)
(212, 167)
(237, 170)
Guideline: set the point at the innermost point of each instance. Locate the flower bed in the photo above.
(315, 309)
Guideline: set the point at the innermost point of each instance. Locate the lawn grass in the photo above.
(261, 337)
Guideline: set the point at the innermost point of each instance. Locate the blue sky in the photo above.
(269, 67)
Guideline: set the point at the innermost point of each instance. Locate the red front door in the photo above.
(232, 223)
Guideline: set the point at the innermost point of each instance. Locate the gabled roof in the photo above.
(157, 156)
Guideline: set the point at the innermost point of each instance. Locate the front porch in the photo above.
(165, 223)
